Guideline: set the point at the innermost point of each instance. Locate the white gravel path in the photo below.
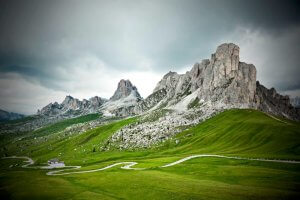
(229, 157)
(129, 165)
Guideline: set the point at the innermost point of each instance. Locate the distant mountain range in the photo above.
(5, 116)
(124, 99)
(219, 83)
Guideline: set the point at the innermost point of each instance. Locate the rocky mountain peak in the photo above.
(68, 99)
(168, 81)
(125, 88)
(71, 103)
(227, 58)
(227, 50)
(169, 74)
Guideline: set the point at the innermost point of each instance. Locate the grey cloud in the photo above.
(42, 40)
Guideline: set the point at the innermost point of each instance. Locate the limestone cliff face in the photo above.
(72, 107)
(124, 89)
(268, 100)
(124, 100)
(224, 79)
(222, 82)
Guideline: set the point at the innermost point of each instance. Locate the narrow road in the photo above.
(129, 165)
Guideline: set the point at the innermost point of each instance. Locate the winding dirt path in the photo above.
(129, 165)
(229, 157)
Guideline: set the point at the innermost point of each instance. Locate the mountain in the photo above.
(221, 82)
(240, 153)
(125, 88)
(269, 101)
(5, 116)
(72, 107)
(124, 100)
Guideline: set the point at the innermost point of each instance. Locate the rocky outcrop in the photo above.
(268, 100)
(222, 82)
(71, 103)
(72, 107)
(225, 80)
(124, 100)
(125, 88)
(151, 102)
(96, 102)
(122, 103)
(50, 110)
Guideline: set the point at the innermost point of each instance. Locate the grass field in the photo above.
(244, 133)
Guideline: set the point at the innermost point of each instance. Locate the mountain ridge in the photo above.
(6, 116)
(221, 82)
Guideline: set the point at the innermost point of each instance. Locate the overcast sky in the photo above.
(50, 49)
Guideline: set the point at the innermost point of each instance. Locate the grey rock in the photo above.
(71, 107)
(125, 88)
(96, 101)
(268, 100)
(222, 82)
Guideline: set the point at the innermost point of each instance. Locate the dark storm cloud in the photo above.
(46, 41)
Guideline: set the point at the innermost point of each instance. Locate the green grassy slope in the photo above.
(241, 132)
(245, 133)
(78, 147)
(61, 125)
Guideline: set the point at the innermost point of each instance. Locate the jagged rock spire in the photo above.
(125, 88)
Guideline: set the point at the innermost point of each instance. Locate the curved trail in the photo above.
(129, 165)
(229, 157)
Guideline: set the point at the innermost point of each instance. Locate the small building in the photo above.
(53, 161)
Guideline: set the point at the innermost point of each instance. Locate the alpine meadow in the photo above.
(89, 112)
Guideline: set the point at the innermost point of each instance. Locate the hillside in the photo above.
(214, 133)
(244, 133)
